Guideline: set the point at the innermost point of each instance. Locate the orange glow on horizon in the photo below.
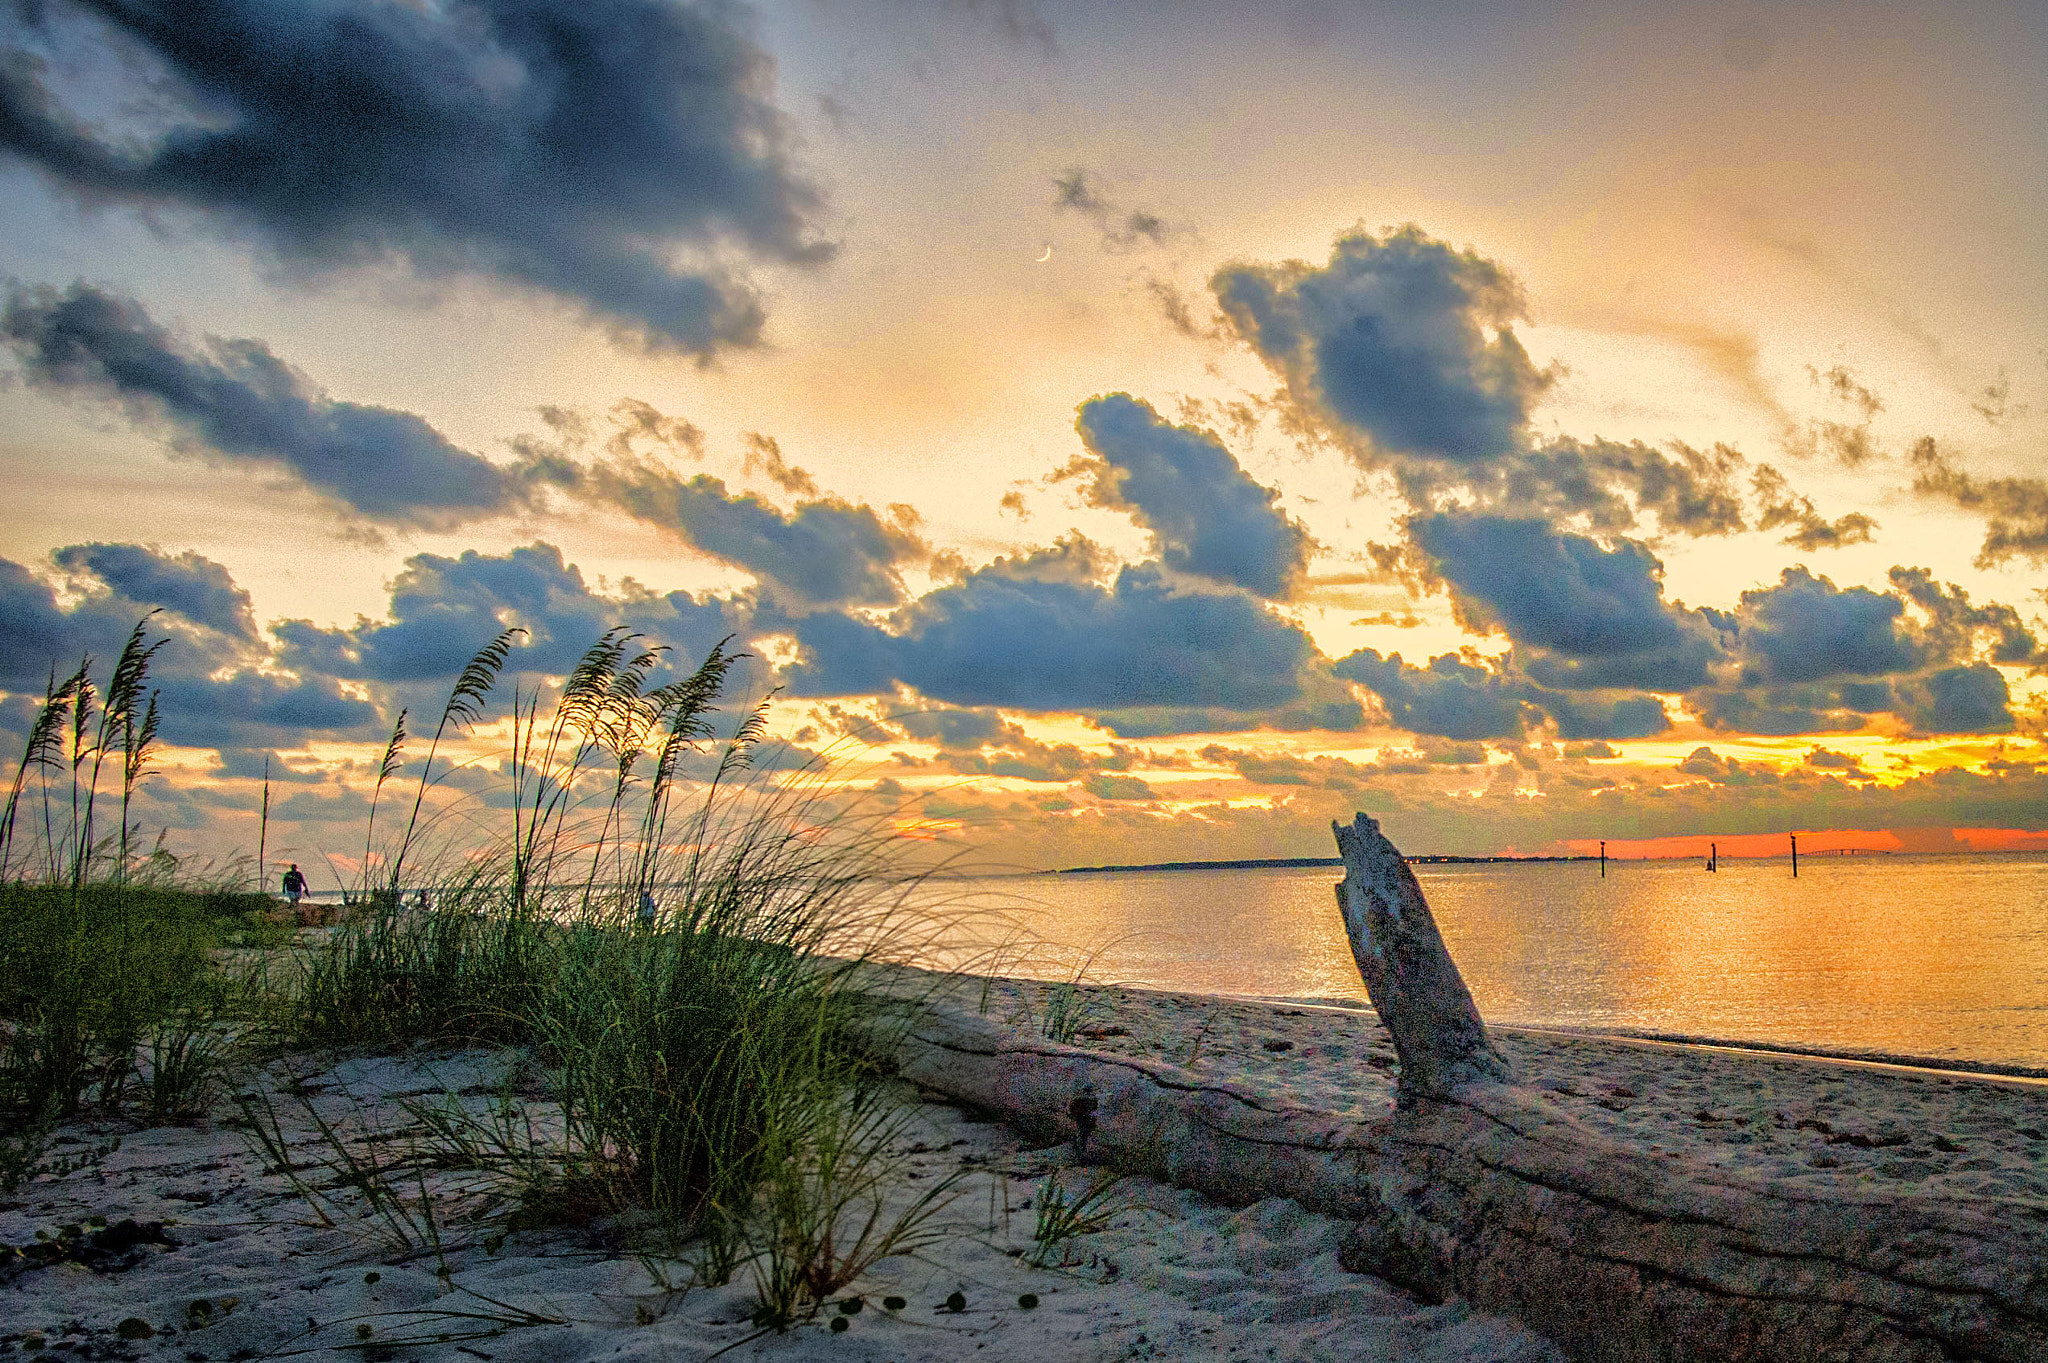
(1817, 841)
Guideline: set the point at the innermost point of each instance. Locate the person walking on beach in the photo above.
(295, 890)
(647, 908)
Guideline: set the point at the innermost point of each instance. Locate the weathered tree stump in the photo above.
(1476, 1187)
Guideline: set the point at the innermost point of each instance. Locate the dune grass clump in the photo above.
(681, 949)
(675, 939)
(111, 1002)
(108, 990)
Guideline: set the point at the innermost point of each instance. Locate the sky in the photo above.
(1118, 433)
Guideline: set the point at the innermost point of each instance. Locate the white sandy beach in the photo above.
(1174, 1276)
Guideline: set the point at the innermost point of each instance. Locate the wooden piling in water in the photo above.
(1795, 856)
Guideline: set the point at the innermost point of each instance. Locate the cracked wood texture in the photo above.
(1409, 975)
(1475, 1187)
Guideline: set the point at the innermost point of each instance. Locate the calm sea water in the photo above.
(1933, 956)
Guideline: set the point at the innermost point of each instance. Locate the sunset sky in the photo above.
(1123, 432)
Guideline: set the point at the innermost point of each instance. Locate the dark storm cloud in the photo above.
(1401, 338)
(826, 552)
(1806, 629)
(1584, 616)
(235, 402)
(1206, 515)
(1450, 698)
(575, 147)
(1029, 643)
(2015, 509)
(444, 609)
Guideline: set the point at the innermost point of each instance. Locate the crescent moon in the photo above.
(1047, 256)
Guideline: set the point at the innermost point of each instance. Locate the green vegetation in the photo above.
(1064, 1214)
(676, 950)
(109, 994)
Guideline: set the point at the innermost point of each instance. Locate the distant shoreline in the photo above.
(1290, 863)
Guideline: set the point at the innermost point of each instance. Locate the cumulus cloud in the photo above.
(1954, 628)
(444, 609)
(1451, 698)
(1815, 658)
(1401, 338)
(1807, 629)
(1404, 349)
(953, 727)
(1016, 635)
(1582, 615)
(1466, 699)
(110, 587)
(1814, 708)
(1206, 515)
(1594, 638)
(215, 689)
(825, 552)
(186, 585)
(616, 155)
(234, 402)
(1969, 699)
(1602, 714)
(1707, 765)
(2015, 509)
(1319, 713)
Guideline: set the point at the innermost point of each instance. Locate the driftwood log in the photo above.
(1473, 1186)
